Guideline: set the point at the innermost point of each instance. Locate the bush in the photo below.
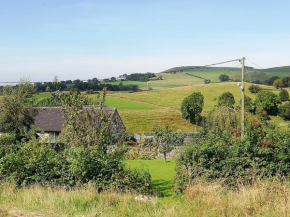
(224, 77)
(267, 101)
(284, 111)
(249, 105)
(221, 156)
(278, 83)
(206, 81)
(41, 163)
(90, 91)
(284, 95)
(192, 106)
(227, 100)
(254, 88)
(32, 162)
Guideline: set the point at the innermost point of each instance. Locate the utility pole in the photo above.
(243, 99)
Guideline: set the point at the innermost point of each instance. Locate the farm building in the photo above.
(51, 121)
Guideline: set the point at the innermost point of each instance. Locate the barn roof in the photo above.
(51, 119)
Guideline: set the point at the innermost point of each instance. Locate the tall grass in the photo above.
(264, 198)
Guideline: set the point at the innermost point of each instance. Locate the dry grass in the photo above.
(266, 198)
(144, 121)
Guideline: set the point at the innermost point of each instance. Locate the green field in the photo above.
(235, 73)
(140, 84)
(142, 111)
(169, 80)
(125, 104)
(173, 97)
(162, 174)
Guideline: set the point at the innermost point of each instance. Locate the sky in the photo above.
(75, 39)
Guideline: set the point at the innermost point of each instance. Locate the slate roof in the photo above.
(51, 119)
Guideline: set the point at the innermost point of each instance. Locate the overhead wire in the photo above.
(214, 64)
(255, 64)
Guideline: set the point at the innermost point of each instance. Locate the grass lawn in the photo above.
(162, 174)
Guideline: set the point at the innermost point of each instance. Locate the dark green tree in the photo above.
(226, 99)
(278, 84)
(192, 106)
(16, 116)
(272, 80)
(267, 101)
(224, 77)
(284, 95)
(249, 104)
(284, 111)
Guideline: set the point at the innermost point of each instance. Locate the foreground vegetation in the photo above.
(263, 198)
(217, 173)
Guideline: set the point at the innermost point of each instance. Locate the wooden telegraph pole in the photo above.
(243, 99)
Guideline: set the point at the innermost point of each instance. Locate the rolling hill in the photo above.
(212, 73)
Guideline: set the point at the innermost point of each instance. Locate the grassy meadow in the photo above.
(141, 111)
(213, 73)
(169, 81)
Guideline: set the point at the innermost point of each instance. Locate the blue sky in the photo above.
(103, 38)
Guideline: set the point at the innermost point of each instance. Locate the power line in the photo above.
(255, 64)
(196, 67)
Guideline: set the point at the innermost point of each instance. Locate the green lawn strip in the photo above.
(162, 174)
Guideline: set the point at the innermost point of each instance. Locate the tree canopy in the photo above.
(192, 107)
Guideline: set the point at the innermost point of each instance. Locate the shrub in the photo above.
(278, 83)
(284, 95)
(284, 111)
(192, 106)
(221, 156)
(267, 101)
(227, 100)
(132, 154)
(254, 88)
(32, 162)
(90, 91)
(224, 77)
(272, 80)
(249, 105)
(166, 140)
(206, 81)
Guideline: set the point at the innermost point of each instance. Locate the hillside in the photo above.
(213, 73)
(166, 104)
(191, 75)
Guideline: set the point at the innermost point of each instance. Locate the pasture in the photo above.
(169, 81)
(213, 73)
(142, 111)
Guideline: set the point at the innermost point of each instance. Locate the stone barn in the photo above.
(51, 121)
